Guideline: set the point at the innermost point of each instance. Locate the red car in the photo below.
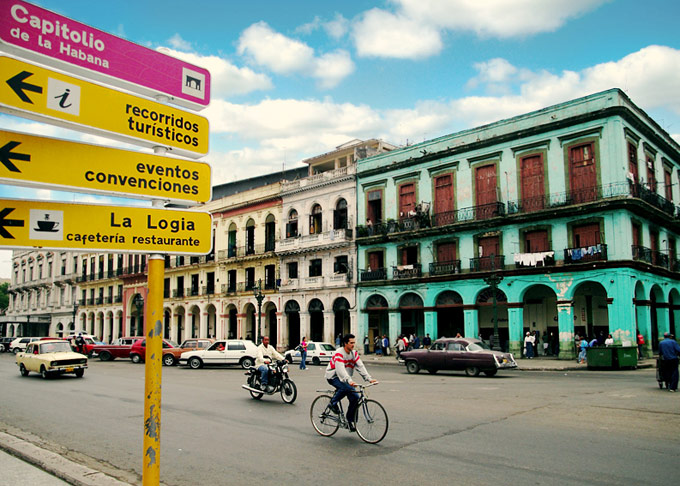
(138, 350)
(120, 348)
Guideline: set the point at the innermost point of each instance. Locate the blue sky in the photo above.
(295, 79)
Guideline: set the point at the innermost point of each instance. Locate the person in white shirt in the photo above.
(609, 341)
(339, 374)
(265, 353)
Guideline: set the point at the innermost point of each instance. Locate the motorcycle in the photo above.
(278, 382)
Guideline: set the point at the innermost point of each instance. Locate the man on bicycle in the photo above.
(339, 374)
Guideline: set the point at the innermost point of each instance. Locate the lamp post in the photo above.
(257, 292)
(138, 302)
(493, 280)
(75, 313)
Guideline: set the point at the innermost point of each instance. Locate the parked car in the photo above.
(120, 348)
(472, 355)
(19, 344)
(90, 343)
(317, 353)
(51, 357)
(138, 350)
(224, 352)
(171, 355)
(4, 344)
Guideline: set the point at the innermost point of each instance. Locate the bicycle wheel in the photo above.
(371, 422)
(325, 422)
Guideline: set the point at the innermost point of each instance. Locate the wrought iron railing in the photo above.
(406, 271)
(370, 275)
(445, 268)
(487, 263)
(585, 254)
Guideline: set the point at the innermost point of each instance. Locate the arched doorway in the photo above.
(450, 318)
(60, 330)
(540, 315)
(315, 320)
(180, 316)
(136, 312)
(118, 326)
(212, 321)
(486, 312)
(341, 317)
(412, 314)
(232, 326)
(292, 311)
(591, 311)
(195, 324)
(378, 319)
(108, 334)
(269, 324)
(656, 308)
(251, 322)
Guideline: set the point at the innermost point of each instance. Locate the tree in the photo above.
(4, 296)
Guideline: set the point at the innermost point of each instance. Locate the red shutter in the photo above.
(583, 174)
(375, 260)
(669, 186)
(446, 252)
(651, 176)
(486, 196)
(536, 241)
(443, 194)
(532, 183)
(586, 235)
(633, 162)
(636, 235)
(407, 199)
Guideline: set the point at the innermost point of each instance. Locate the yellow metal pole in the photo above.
(154, 365)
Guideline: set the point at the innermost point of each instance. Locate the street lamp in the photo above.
(75, 312)
(494, 279)
(257, 292)
(138, 302)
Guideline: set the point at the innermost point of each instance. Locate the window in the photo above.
(455, 347)
(293, 270)
(586, 235)
(292, 225)
(231, 244)
(446, 252)
(651, 174)
(374, 206)
(250, 278)
(270, 234)
(236, 346)
(340, 215)
(180, 286)
(443, 198)
(408, 255)
(376, 260)
(315, 267)
(536, 241)
(210, 276)
(407, 200)
(668, 184)
(315, 220)
(270, 277)
(250, 237)
(341, 264)
(231, 281)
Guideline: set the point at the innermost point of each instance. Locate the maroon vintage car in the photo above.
(471, 355)
(120, 348)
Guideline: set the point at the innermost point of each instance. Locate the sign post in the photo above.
(37, 93)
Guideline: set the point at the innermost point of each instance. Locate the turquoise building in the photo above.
(560, 221)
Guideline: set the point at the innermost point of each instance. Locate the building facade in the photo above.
(560, 221)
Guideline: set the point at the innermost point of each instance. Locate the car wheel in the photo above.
(432, 371)
(247, 362)
(135, 358)
(472, 371)
(23, 370)
(195, 363)
(168, 360)
(80, 373)
(412, 367)
(316, 361)
(16, 350)
(43, 372)
(90, 354)
(490, 372)
(105, 356)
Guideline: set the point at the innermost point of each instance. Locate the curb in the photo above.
(51, 462)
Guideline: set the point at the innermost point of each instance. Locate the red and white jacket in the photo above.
(343, 364)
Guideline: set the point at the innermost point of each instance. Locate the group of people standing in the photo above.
(535, 344)
(403, 342)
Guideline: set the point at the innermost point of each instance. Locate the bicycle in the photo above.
(371, 421)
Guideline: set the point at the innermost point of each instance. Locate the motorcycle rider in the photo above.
(339, 374)
(265, 353)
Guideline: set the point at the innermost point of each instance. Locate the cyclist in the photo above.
(339, 374)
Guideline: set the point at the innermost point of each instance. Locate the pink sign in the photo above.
(33, 32)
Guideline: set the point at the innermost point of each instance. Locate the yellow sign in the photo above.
(37, 224)
(47, 162)
(37, 93)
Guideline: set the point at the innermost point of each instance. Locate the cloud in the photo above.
(335, 28)
(178, 43)
(227, 79)
(414, 28)
(283, 55)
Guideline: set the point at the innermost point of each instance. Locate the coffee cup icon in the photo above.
(47, 225)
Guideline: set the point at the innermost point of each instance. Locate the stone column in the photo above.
(515, 328)
(565, 322)
(430, 323)
(328, 326)
(471, 317)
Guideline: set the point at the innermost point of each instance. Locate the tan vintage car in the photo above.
(50, 358)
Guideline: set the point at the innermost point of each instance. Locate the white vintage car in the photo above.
(51, 357)
(225, 352)
(317, 353)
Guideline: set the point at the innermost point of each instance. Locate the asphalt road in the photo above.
(577, 428)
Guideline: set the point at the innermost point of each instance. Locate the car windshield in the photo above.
(327, 347)
(218, 346)
(55, 347)
(480, 346)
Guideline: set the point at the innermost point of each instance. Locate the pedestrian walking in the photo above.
(640, 344)
(427, 341)
(338, 340)
(366, 343)
(669, 352)
(303, 354)
(582, 357)
(400, 346)
(377, 342)
(529, 346)
(386, 345)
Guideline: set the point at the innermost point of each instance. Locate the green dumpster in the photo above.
(625, 356)
(599, 357)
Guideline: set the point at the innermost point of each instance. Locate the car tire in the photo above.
(135, 358)
(23, 370)
(316, 361)
(168, 360)
(16, 350)
(490, 372)
(246, 362)
(44, 373)
(105, 356)
(80, 373)
(412, 367)
(472, 371)
(195, 363)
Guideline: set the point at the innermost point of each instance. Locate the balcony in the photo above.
(177, 293)
(208, 290)
(372, 275)
(654, 257)
(318, 178)
(536, 259)
(407, 271)
(445, 268)
(486, 264)
(585, 254)
(327, 237)
(229, 288)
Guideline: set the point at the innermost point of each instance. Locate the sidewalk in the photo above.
(25, 464)
(540, 363)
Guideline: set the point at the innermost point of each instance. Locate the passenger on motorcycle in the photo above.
(265, 353)
(339, 374)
